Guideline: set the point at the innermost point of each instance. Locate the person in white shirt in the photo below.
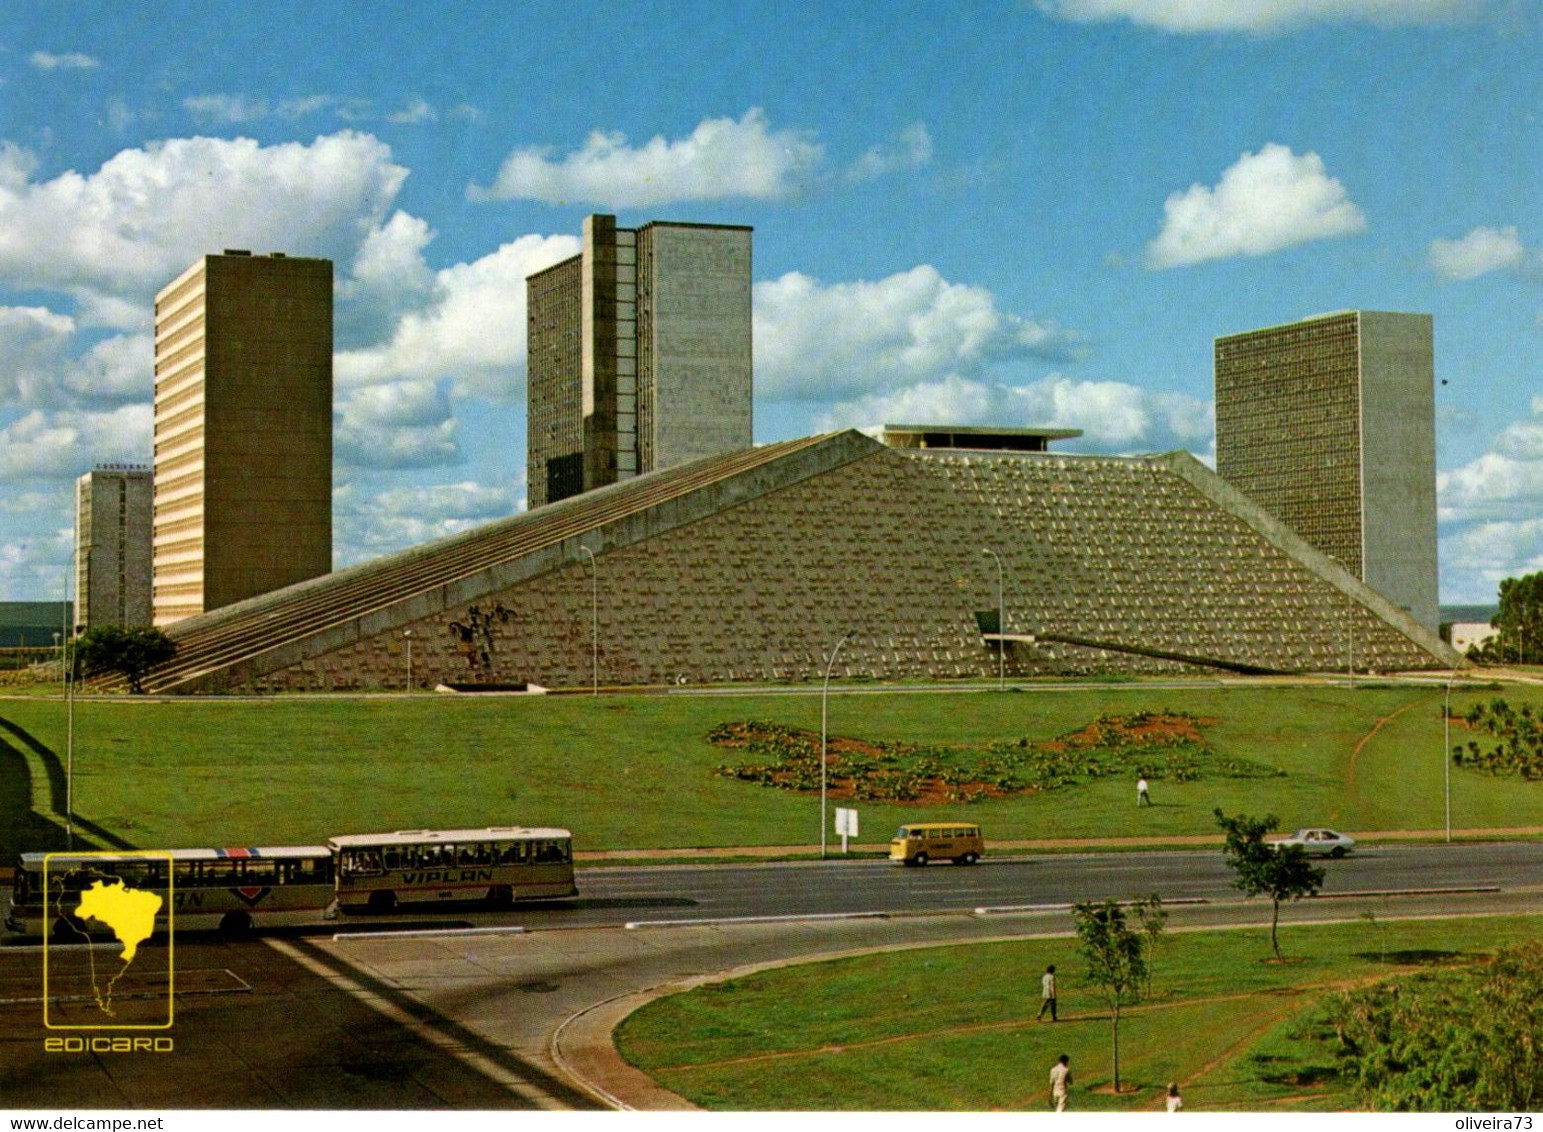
(1175, 1102)
(1142, 797)
(1047, 993)
(1060, 1081)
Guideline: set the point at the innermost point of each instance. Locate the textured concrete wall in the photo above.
(1398, 415)
(696, 356)
(1139, 556)
(112, 553)
(1288, 428)
(554, 413)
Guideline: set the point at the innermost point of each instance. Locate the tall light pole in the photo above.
(407, 635)
(824, 697)
(1001, 624)
(594, 620)
(68, 657)
(1446, 749)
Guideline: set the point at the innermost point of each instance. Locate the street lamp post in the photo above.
(407, 635)
(1001, 624)
(1446, 750)
(594, 620)
(824, 697)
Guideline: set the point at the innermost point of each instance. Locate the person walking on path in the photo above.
(1060, 1082)
(1142, 797)
(1047, 994)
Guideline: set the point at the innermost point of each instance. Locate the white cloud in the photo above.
(43, 444)
(40, 369)
(816, 340)
(721, 158)
(389, 278)
(1267, 201)
(1114, 416)
(1478, 253)
(414, 112)
(403, 424)
(369, 525)
(70, 61)
(1476, 558)
(912, 149)
(1257, 16)
(112, 238)
(473, 332)
(237, 109)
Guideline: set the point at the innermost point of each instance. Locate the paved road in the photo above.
(520, 1020)
(618, 896)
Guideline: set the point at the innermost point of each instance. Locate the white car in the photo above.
(1323, 842)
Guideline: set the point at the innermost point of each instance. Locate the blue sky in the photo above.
(1026, 212)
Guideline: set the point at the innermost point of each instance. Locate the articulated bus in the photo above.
(379, 871)
(236, 890)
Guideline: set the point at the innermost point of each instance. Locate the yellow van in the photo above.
(920, 842)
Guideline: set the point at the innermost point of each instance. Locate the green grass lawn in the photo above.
(954, 1027)
(637, 771)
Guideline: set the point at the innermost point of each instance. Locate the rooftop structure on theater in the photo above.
(977, 438)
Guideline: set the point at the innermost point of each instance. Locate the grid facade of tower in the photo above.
(639, 355)
(1329, 424)
(243, 431)
(112, 547)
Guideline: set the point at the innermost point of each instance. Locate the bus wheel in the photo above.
(501, 896)
(63, 931)
(919, 860)
(235, 923)
(382, 901)
(967, 859)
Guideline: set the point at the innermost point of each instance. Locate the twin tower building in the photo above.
(639, 359)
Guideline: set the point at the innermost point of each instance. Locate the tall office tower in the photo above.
(112, 547)
(243, 430)
(638, 355)
(1329, 424)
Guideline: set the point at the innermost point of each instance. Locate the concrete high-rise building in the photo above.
(1329, 425)
(112, 547)
(243, 430)
(639, 355)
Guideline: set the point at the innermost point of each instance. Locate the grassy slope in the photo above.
(953, 1027)
(636, 771)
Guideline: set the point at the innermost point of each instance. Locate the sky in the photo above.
(1009, 212)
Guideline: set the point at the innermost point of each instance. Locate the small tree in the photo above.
(1153, 918)
(129, 652)
(1263, 869)
(1115, 963)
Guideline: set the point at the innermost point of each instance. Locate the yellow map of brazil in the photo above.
(129, 912)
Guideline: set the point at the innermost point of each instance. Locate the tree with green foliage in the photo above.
(131, 653)
(1263, 869)
(1115, 964)
(1152, 918)
(1519, 621)
(1448, 1041)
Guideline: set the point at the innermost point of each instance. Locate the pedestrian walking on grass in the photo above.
(1175, 1102)
(1060, 1082)
(1047, 993)
(1142, 797)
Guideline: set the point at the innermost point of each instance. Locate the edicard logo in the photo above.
(108, 941)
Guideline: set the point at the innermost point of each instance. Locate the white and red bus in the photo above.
(234, 890)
